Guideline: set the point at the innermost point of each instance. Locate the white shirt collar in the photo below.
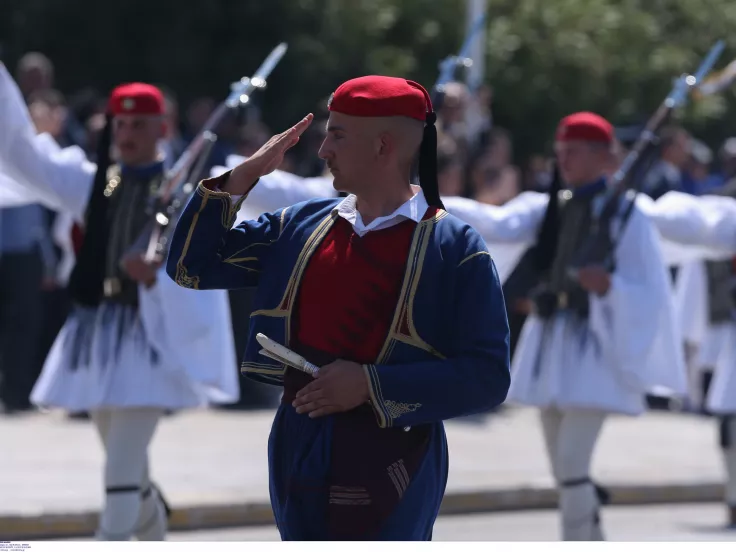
(414, 209)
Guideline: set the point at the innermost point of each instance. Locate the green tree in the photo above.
(199, 48)
(545, 58)
(615, 57)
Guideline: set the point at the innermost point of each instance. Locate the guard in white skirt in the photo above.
(706, 299)
(136, 344)
(595, 346)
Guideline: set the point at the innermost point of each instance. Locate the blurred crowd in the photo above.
(475, 159)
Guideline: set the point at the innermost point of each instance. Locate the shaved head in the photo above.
(404, 132)
(361, 150)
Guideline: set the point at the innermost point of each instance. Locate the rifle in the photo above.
(718, 82)
(596, 250)
(177, 186)
(450, 63)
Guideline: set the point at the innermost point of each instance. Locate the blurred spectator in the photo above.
(478, 117)
(452, 114)
(82, 106)
(724, 182)
(499, 147)
(197, 114)
(449, 169)
(726, 169)
(492, 177)
(48, 111)
(174, 144)
(196, 117)
(34, 72)
(537, 176)
(27, 259)
(93, 127)
(697, 177)
(667, 172)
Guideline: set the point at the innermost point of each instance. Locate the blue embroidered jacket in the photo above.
(447, 353)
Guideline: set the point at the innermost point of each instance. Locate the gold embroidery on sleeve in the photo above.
(397, 409)
(283, 219)
(234, 208)
(235, 260)
(466, 259)
(182, 278)
(376, 399)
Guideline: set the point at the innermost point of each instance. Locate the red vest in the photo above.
(350, 289)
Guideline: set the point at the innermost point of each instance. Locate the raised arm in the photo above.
(693, 228)
(206, 252)
(62, 179)
(509, 230)
(278, 190)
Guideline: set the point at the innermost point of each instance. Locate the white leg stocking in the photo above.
(570, 437)
(126, 435)
(152, 521)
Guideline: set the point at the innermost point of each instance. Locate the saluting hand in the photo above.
(338, 387)
(265, 160)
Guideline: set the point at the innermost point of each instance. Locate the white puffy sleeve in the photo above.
(60, 179)
(693, 228)
(508, 230)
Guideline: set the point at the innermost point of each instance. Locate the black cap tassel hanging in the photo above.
(546, 248)
(87, 279)
(428, 163)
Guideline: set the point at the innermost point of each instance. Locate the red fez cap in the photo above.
(136, 99)
(376, 96)
(585, 126)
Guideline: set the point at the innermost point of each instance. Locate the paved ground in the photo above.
(51, 464)
(684, 522)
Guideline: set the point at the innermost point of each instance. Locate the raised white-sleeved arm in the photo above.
(693, 228)
(508, 230)
(61, 179)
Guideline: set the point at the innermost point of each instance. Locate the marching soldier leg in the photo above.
(101, 421)
(551, 419)
(152, 520)
(728, 448)
(129, 433)
(579, 501)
